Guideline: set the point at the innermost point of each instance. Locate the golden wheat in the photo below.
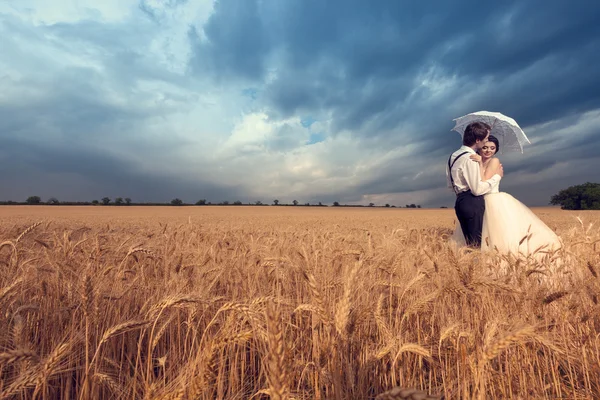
(289, 302)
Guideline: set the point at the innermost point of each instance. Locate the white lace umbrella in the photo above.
(509, 133)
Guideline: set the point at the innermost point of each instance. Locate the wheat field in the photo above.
(289, 303)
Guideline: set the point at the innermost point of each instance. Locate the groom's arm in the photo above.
(473, 178)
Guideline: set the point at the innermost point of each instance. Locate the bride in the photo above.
(508, 225)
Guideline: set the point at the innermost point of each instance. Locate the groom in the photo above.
(464, 177)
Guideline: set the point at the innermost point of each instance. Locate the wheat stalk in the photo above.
(8, 243)
(342, 313)
(276, 358)
(50, 365)
(380, 321)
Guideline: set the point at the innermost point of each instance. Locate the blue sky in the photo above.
(338, 100)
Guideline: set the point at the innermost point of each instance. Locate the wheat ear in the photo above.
(26, 231)
(317, 297)
(494, 350)
(12, 356)
(399, 393)
(117, 330)
(4, 292)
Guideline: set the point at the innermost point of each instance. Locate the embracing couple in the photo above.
(487, 218)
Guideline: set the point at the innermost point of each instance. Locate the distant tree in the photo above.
(176, 202)
(237, 203)
(258, 203)
(225, 203)
(393, 206)
(105, 200)
(371, 204)
(320, 204)
(94, 202)
(275, 202)
(127, 200)
(336, 204)
(34, 200)
(418, 206)
(119, 201)
(413, 206)
(579, 197)
(295, 202)
(52, 201)
(307, 204)
(201, 202)
(387, 205)
(443, 207)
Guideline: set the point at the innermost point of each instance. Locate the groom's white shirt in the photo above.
(467, 175)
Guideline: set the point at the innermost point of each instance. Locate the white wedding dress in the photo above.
(506, 223)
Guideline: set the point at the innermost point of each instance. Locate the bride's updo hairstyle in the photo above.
(494, 140)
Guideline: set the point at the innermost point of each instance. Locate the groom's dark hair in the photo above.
(475, 131)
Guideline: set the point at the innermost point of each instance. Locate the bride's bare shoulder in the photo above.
(493, 161)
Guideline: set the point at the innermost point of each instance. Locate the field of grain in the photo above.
(289, 303)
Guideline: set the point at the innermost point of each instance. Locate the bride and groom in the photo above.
(490, 219)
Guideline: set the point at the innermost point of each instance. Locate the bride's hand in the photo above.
(476, 157)
(500, 170)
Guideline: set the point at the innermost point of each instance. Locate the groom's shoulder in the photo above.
(460, 151)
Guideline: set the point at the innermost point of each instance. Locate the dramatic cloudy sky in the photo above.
(337, 100)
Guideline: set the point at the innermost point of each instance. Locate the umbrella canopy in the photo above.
(509, 133)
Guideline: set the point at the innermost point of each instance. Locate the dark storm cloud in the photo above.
(74, 109)
(359, 60)
(104, 174)
(237, 41)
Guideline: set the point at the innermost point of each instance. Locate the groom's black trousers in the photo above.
(469, 211)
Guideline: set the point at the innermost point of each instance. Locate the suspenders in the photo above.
(450, 168)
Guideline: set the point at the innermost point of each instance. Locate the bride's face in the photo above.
(488, 150)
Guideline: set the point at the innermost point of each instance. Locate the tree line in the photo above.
(578, 197)
(126, 201)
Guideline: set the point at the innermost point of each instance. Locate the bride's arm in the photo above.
(490, 169)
